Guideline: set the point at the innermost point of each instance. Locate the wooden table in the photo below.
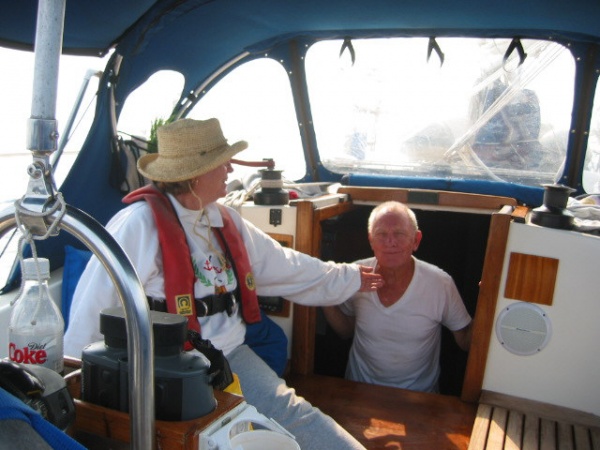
(389, 418)
(379, 417)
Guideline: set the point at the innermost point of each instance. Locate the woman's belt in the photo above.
(205, 306)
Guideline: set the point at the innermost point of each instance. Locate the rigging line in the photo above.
(8, 241)
(85, 111)
(58, 155)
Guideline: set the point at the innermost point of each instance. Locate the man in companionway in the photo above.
(397, 329)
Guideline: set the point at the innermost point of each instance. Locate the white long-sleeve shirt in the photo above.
(278, 271)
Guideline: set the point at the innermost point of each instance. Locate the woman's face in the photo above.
(212, 185)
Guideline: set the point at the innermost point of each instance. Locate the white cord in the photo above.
(28, 237)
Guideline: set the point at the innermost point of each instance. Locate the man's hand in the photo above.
(369, 281)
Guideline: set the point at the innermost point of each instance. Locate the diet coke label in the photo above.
(44, 351)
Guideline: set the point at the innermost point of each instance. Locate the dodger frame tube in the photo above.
(137, 314)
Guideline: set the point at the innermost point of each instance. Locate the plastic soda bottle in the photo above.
(36, 328)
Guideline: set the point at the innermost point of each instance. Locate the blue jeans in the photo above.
(269, 394)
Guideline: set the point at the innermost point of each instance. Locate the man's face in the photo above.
(393, 239)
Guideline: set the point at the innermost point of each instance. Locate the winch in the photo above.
(271, 190)
(554, 213)
(181, 382)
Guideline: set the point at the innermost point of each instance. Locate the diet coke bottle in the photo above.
(36, 328)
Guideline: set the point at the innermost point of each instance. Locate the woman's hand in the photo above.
(369, 281)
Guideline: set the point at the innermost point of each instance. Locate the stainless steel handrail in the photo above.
(137, 314)
(42, 137)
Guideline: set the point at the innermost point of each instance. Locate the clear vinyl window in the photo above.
(591, 168)
(150, 102)
(464, 112)
(254, 103)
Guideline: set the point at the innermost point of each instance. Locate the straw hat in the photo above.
(188, 148)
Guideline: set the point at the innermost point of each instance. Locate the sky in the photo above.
(16, 84)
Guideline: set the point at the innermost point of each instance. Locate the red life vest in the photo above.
(177, 265)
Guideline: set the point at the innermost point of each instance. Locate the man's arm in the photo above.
(463, 337)
(342, 324)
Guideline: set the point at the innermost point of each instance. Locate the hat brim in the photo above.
(157, 167)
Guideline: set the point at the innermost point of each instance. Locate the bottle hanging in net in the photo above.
(36, 327)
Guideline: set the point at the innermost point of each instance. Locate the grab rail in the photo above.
(137, 315)
(43, 220)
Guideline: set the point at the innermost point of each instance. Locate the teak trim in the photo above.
(308, 240)
(427, 197)
(286, 240)
(531, 278)
(483, 322)
(102, 422)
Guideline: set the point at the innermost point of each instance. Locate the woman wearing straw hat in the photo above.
(230, 259)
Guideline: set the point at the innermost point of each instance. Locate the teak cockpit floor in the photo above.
(509, 423)
(388, 418)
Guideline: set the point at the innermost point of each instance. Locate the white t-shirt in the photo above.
(278, 271)
(400, 345)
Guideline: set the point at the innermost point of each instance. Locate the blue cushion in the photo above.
(268, 341)
(11, 408)
(75, 262)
